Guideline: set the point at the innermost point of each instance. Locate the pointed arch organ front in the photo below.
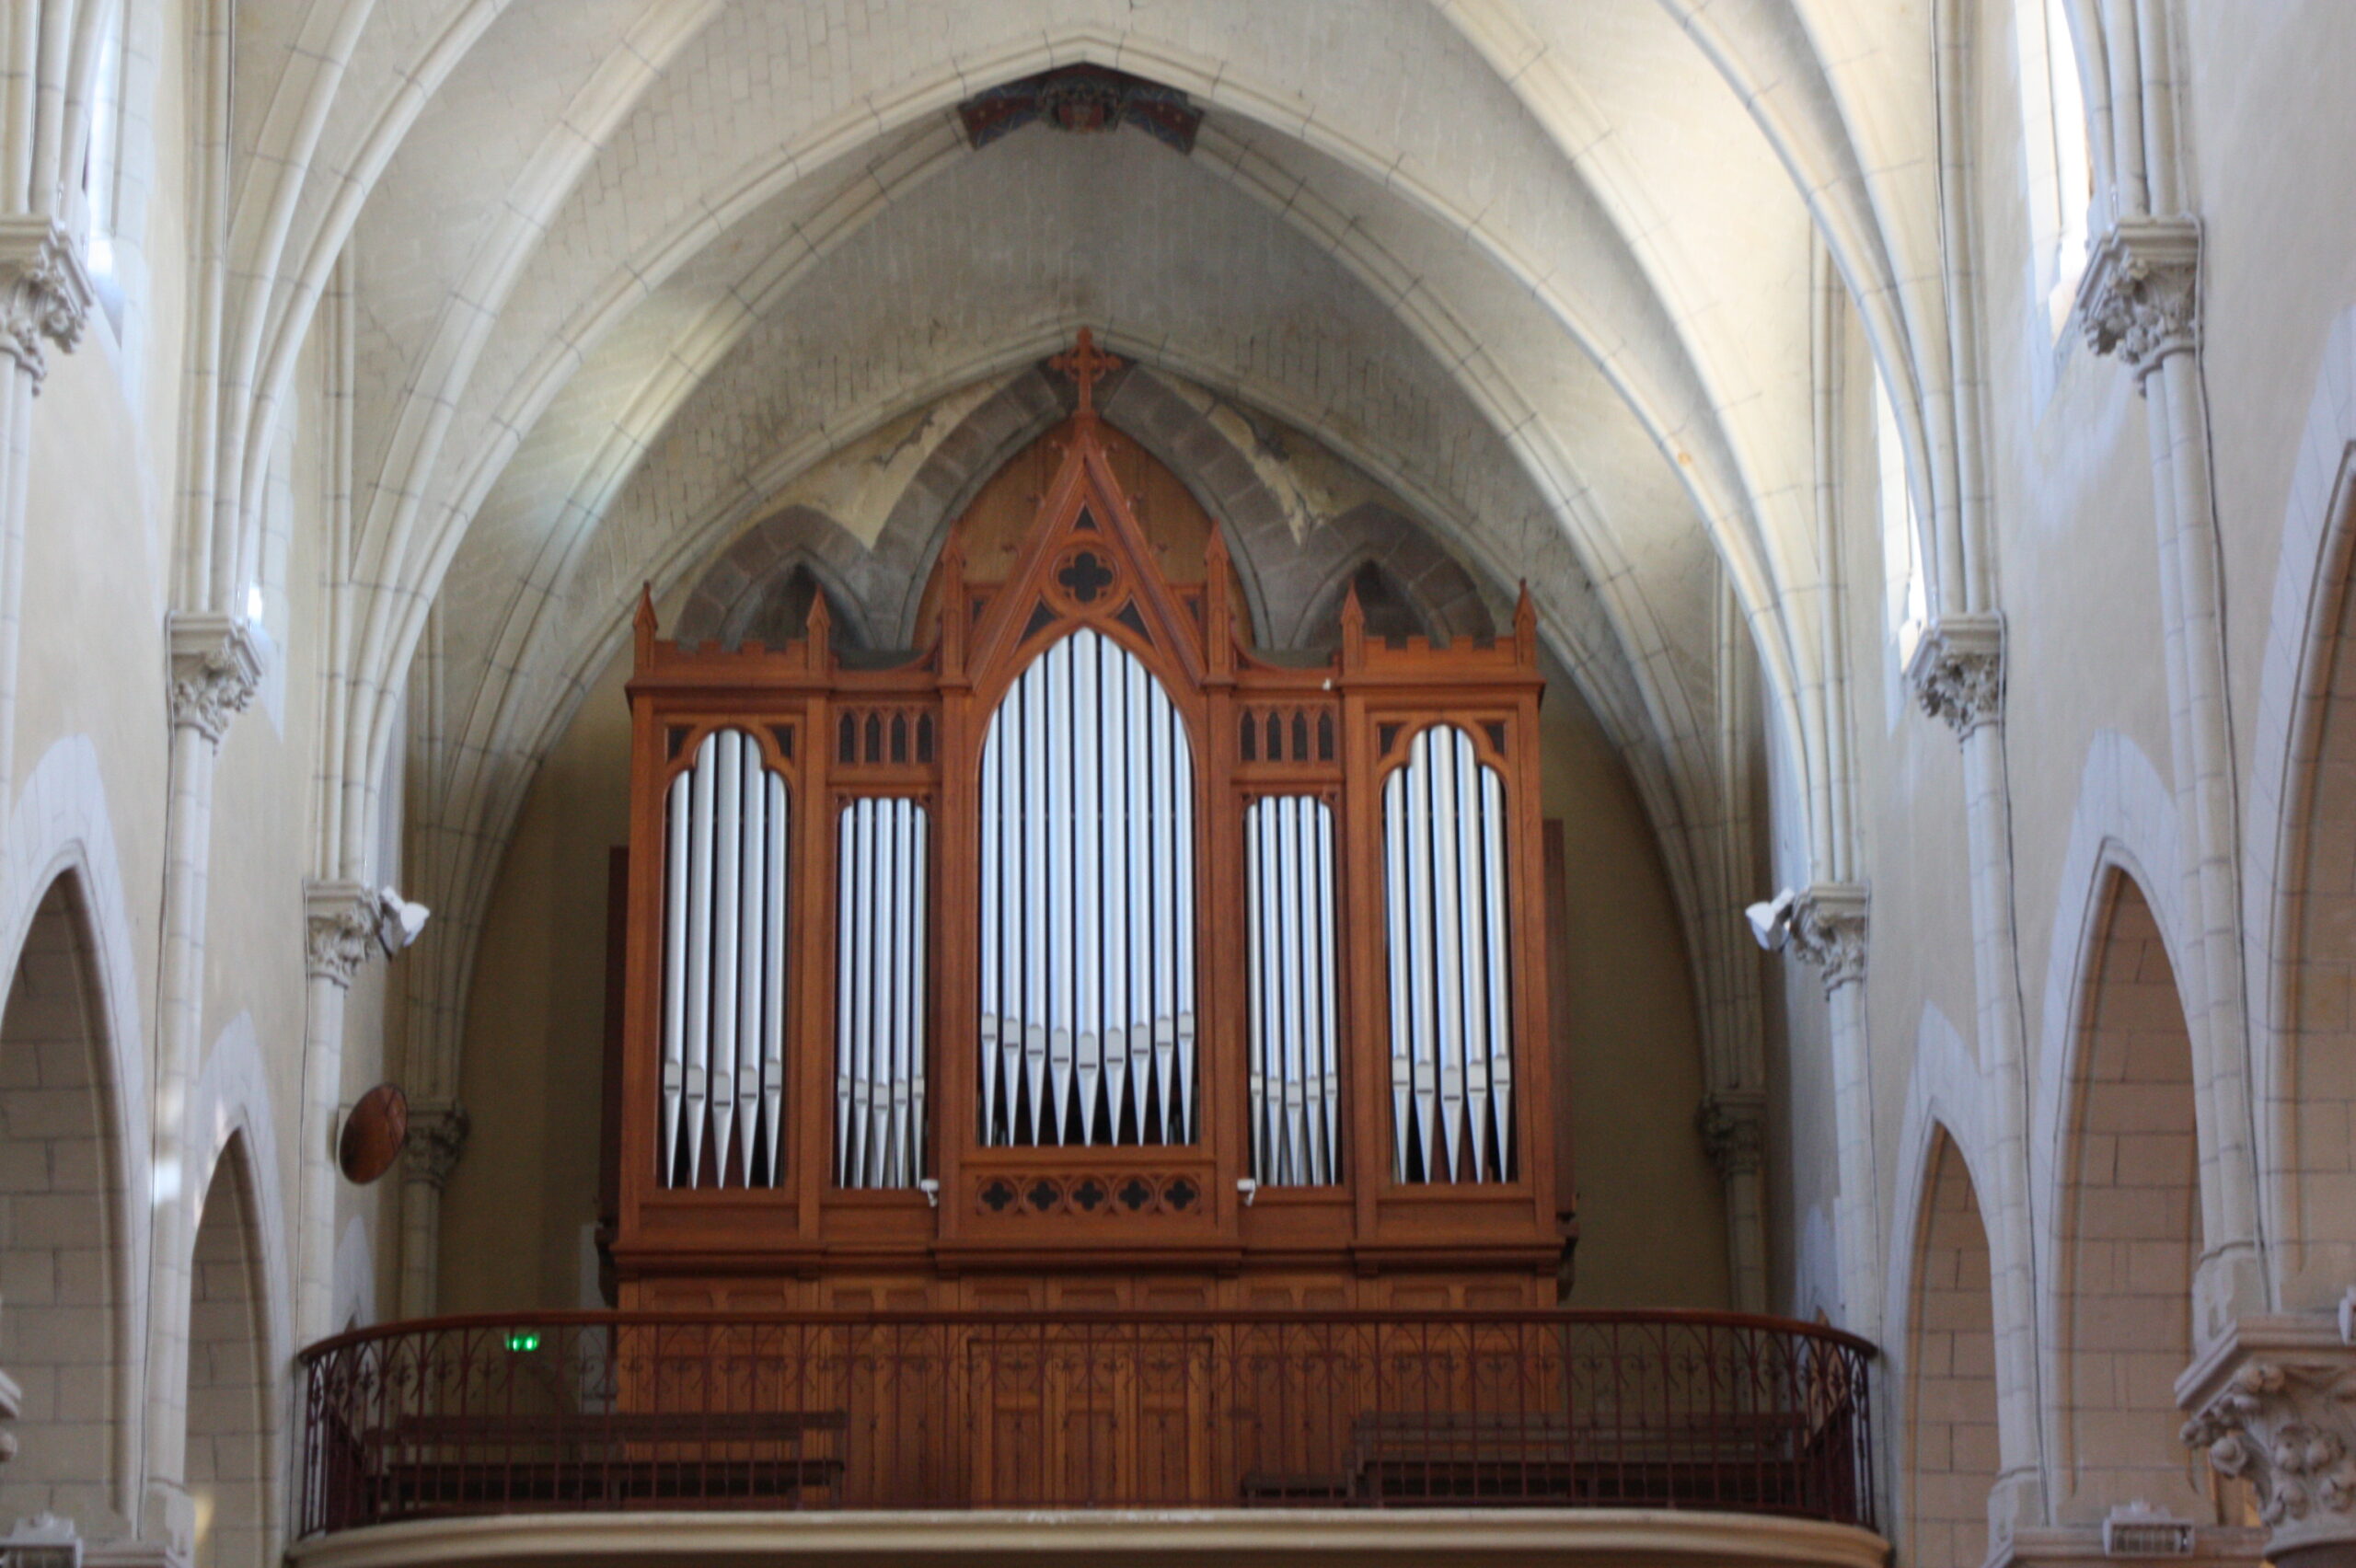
(1085, 957)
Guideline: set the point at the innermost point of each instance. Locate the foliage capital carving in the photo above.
(45, 291)
(344, 925)
(2273, 1403)
(437, 1138)
(2141, 298)
(1732, 1125)
(216, 668)
(1957, 671)
(1829, 930)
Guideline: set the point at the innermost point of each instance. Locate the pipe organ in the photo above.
(1084, 956)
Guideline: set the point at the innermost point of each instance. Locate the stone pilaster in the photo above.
(45, 298)
(1828, 927)
(2141, 303)
(346, 924)
(1732, 1125)
(2273, 1403)
(215, 668)
(1957, 671)
(437, 1138)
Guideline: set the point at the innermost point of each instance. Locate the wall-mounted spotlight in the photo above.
(1771, 923)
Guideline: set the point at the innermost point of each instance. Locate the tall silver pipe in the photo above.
(1421, 983)
(727, 895)
(904, 999)
(1182, 849)
(744, 1050)
(1256, 968)
(1328, 1020)
(773, 987)
(914, 895)
(1113, 863)
(1500, 1041)
(849, 933)
(678, 809)
(1138, 713)
(1404, 1128)
(1037, 920)
(1290, 1063)
(1088, 925)
(987, 866)
(699, 870)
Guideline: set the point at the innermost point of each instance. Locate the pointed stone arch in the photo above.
(2127, 1226)
(67, 1277)
(231, 1479)
(760, 588)
(2300, 833)
(1949, 1391)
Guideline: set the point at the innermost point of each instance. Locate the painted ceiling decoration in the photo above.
(1083, 100)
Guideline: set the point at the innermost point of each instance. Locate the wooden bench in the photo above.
(427, 1464)
(1443, 1457)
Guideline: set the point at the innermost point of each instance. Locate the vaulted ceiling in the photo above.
(625, 269)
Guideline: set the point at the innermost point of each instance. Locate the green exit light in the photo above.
(523, 1340)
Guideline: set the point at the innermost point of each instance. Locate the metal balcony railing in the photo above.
(604, 1411)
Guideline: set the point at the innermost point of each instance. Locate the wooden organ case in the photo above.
(1086, 961)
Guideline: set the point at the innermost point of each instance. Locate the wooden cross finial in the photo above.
(1086, 364)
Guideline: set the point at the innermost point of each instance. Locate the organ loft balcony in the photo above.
(1087, 1084)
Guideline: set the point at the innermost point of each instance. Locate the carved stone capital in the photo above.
(2274, 1402)
(216, 668)
(1829, 930)
(1957, 671)
(1732, 1125)
(345, 926)
(2140, 299)
(45, 291)
(437, 1136)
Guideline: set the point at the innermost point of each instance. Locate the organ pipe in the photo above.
(1087, 1031)
(723, 1077)
(881, 850)
(1444, 888)
(1291, 983)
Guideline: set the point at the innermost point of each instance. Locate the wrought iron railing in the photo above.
(600, 1412)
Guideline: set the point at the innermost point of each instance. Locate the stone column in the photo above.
(1732, 1125)
(2273, 1403)
(45, 297)
(1829, 931)
(2141, 302)
(1958, 674)
(216, 664)
(437, 1136)
(345, 925)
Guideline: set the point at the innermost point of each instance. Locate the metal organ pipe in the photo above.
(1444, 887)
(1288, 849)
(882, 847)
(723, 1079)
(1088, 1032)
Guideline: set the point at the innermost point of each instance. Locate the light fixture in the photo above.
(399, 920)
(1771, 922)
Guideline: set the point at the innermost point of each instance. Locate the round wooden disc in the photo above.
(373, 1135)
